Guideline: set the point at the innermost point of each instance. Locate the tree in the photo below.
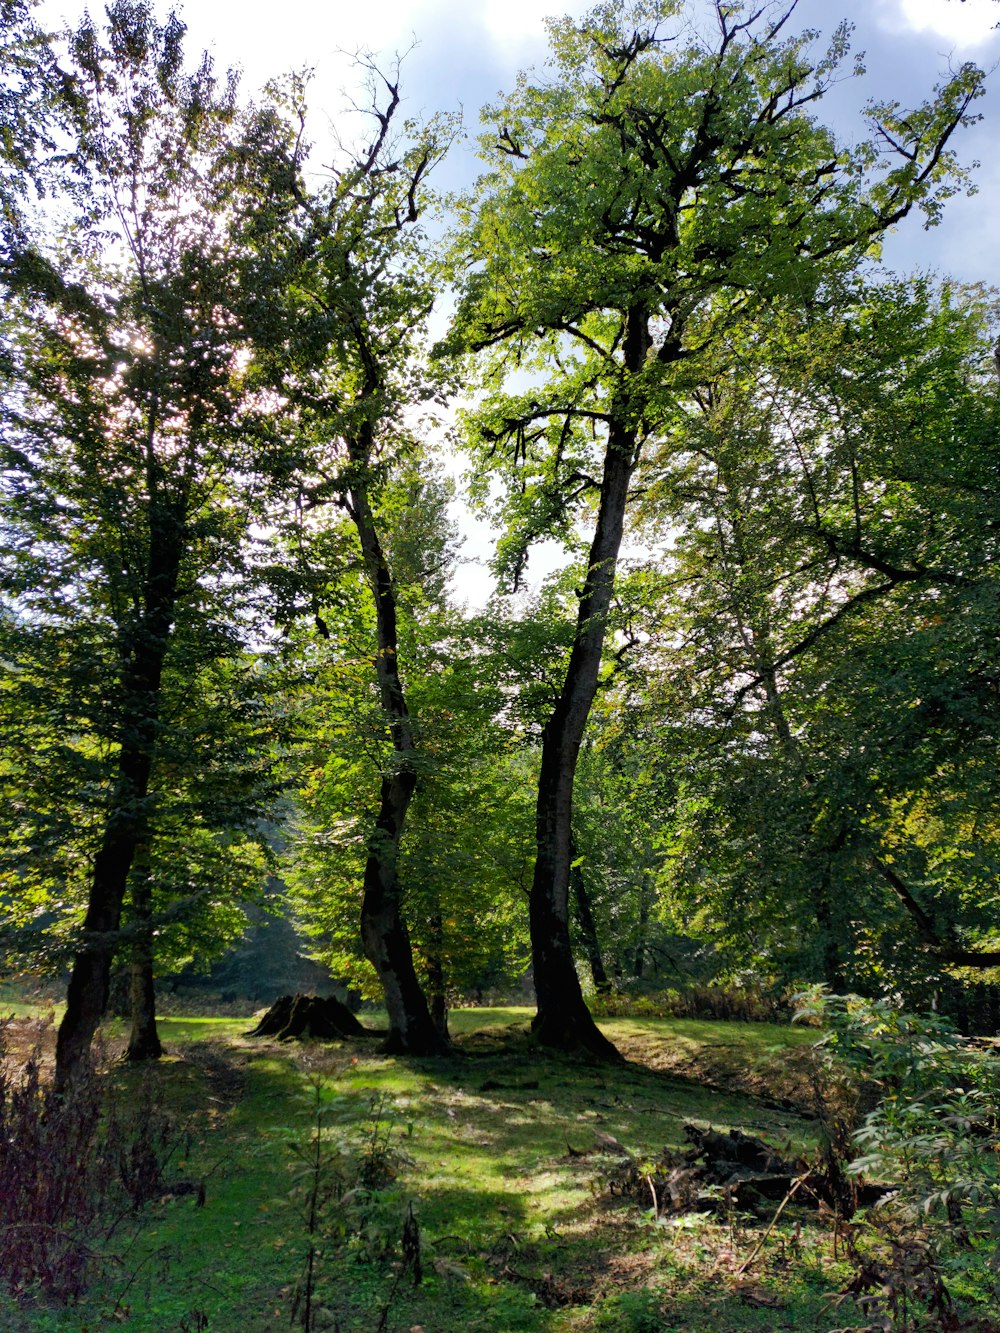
(829, 656)
(134, 456)
(215, 780)
(357, 292)
(465, 860)
(640, 200)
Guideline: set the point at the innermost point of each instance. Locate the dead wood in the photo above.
(726, 1170)
(309, 1016)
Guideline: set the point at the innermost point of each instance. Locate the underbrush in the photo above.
(726, 1003)
(73, 1170)
(908, 1101)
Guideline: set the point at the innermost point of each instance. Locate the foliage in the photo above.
(932, 1136)
(828, 683)
(725, 1003)
(590, 200)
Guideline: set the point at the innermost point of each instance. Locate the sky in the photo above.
(461, 54)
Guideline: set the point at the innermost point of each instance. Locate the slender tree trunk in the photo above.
(436, 978)
(384, 935)
(563, 1020)
(645, 905)
(588, 927)
(757, 636)
(144, 1040)
(127, 822)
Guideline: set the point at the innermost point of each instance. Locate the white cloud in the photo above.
(965, 25)
(516, 21)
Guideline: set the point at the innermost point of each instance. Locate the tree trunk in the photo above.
(757, 636)
(144, 1040)
(588, 927)
(126, 826)
(436, 978)
(384, 934)
(645, 905)
(563, 1020)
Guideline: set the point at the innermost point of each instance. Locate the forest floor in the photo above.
(511, 1162)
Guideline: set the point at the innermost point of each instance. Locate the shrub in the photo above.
(933, 1136)
(50, 1183)
(732, 1003)
(70, 1168)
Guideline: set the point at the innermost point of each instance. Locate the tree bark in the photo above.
(144, 1040)
(563, 1020)
(384, 935)
(436, 985)
(294, 1017)
(588, 927)
(126, 826)
(645, 906)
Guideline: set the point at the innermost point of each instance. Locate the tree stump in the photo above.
(309, 1016)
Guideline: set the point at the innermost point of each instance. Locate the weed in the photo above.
(381, 1159)
(630, 1312)
(321, 1195)
(71, 1168)
(337, 1193)
(139, 1141)
(51, 1182)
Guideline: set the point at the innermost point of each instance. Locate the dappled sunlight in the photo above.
(508, 1158)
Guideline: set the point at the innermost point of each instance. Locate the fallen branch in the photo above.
(744, 1266)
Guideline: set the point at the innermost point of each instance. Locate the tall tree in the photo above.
(133, 455)
(465, 860)
(350, 256)
(647, 193)
(829, 656)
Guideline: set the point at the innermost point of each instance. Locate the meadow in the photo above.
(311, 1185)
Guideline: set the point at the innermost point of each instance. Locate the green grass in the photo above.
(503, 1154)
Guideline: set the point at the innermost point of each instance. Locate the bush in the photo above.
(51, 1181)
(731, 1003)
(933, 1136)
(70, 1168)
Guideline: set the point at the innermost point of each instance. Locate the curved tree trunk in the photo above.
(144, 1040)
(563, 1020)
(384, 934)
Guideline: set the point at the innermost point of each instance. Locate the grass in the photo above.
(505, 1156)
